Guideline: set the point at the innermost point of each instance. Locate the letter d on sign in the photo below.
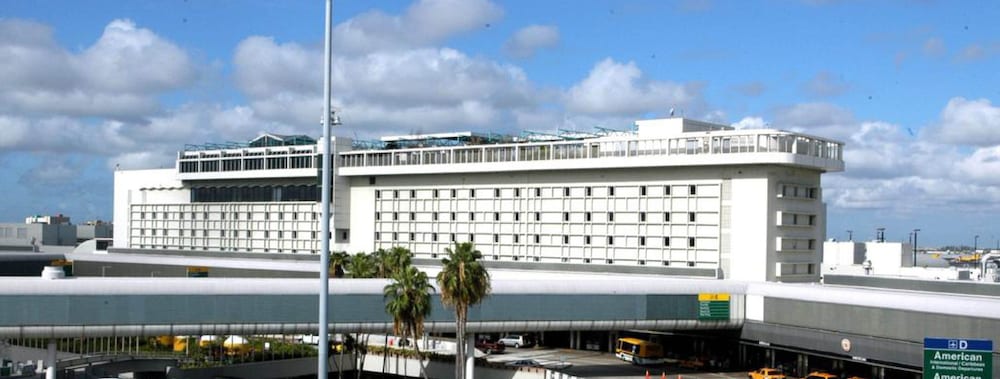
(963, 344)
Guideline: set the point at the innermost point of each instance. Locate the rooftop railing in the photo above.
(724, 142)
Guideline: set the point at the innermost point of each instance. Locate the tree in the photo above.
(409, 303)
(338, 261)
(463, 281)
(388, 262)
(361, 266)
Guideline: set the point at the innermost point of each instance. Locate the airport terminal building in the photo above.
(672, 196)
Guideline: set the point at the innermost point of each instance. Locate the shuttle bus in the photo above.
(640, 352)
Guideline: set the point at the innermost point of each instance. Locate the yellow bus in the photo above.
(637, 351)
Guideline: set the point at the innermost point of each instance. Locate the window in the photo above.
(538, 192)
(538, 238)
(496, 216)
(565, 216)
(435, 194)
(295, 215)
(472, 237)
(611, 216)
(267, 234)
(395, 236)
(611, 191)
(666, 241)
(452, 237)
(435, 216)
(586, 240)
(454, 193)
(642, 216)
(690, 241)
(666, 190)
(434, 237)
(565, 240)
(472, 216)
(295, 234)
(587, 216)
(566, 191)
(642, 241)
(496, 192)
(395, 216)
(517, 238)
(378, 216)
(517, 192)
(472, 193)
(642, 190)
(538, 216)
(378, 194)
(589, 191)
(395, 194)
(413, 194)
(413, 216)
(691, 216)
(666, 216)
(692, 190)
(517, 216)
(453, 216)
(496, 238)
(413, 236)
(611, 240)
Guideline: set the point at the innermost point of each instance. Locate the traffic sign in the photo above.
(957, 358)
(713, 306)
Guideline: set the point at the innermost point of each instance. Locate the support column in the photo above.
(50, 360)
(470, 358)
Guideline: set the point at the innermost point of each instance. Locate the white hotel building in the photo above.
(673, 196)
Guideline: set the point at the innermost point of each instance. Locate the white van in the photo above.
(516, 340)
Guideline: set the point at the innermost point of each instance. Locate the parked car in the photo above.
(820, 375)
(766, 373)
(516, 340)
(490, 347)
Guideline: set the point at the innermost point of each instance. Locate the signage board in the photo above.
(957, 358)
(713, 306)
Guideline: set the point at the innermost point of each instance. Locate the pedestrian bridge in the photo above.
(91, 307)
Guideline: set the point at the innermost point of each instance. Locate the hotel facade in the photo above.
(671, 196)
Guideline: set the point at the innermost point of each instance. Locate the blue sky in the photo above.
(910, 86)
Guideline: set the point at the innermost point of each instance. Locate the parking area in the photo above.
(592, 364)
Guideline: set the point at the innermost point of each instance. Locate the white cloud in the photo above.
(424, 23)
(616, 88)
(826, 84)
(751, 123)
(822, 119)
(377, 89)
(934, 46)
(528, 40)
(750, 88)
(119, 76)
(969, 122)
(971, 53)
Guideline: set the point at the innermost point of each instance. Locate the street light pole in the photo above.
(324, 265)
(850, 235)
(915, 247)
(975, 244)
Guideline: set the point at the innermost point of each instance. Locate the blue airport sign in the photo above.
(958, 344)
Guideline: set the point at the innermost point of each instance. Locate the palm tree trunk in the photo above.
(420, 358)
(460, 348)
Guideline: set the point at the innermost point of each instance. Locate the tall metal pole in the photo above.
(324, 266)
(915, 231)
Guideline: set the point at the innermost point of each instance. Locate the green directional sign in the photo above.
(956, 358)
(713, 306)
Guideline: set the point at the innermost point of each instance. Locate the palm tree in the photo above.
(463, 282)
(361, 266)
(338, 261)
(409, 303)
